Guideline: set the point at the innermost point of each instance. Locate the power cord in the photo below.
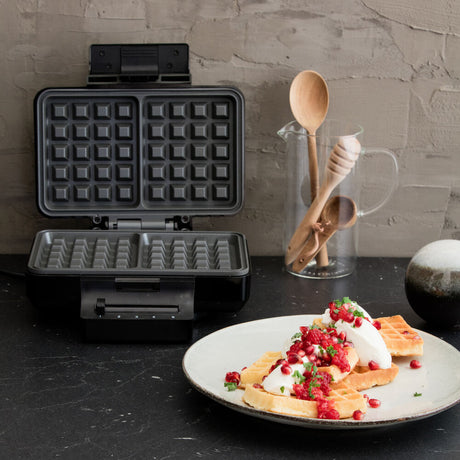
(12, 274)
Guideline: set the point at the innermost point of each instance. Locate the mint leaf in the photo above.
(231, 386)
(331, 350)
(358, 313)
(299, 377)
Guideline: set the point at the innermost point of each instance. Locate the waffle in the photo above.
(256, 372)
(346, 401)
(362, 378)
(399, 337)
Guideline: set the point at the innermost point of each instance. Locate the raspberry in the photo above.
(314, 336)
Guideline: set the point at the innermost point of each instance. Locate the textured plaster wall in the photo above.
(392, 65)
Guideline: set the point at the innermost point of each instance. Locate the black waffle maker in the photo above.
(140, 151)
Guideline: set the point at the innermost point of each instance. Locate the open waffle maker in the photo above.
(140, 151)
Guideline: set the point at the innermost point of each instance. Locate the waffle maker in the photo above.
(140, 151)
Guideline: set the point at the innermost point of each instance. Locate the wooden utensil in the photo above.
(339, 213)
(309, 100)
(340, 162)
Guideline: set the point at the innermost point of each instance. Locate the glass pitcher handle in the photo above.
(393, 183)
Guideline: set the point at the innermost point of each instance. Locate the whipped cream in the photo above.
(278, 383)
(366, 339)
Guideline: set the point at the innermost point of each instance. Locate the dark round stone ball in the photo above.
(433, 282)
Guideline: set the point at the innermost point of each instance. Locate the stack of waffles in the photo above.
(400, 339)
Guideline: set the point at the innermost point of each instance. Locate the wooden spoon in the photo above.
(309, 100)
(339, 213)
(340, 162)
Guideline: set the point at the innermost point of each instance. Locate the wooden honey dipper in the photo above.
(340, 162)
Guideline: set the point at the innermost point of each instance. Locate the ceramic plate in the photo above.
(230, 349)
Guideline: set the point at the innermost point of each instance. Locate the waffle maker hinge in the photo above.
(166, 224)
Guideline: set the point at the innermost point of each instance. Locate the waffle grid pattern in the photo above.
(80, 253)
(188, 145)
(198, 254)
(399, 337)
(91, 146)
(139, 152)
(99, 250)
(346, 401)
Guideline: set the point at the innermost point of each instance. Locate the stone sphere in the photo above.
(433, 282)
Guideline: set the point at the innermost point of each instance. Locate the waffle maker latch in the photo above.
(139, 63)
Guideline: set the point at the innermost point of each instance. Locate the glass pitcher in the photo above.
(340, 252)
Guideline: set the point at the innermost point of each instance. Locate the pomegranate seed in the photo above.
(346, 315)
(286, 369)
(331, 414)
(293, 358)
(310, 350)
(358, 321)
(301, 353)
(232, 377)
(377, 325)
(373, 366)
(374, 403)
(334, 315)
(257, 385)
(331, 305)
(358, 415)
(367, 397)
(414, 364)
(342, 336)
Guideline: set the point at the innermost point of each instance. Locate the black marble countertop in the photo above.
(63, 398)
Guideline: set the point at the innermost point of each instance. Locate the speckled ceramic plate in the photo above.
(437, 382)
